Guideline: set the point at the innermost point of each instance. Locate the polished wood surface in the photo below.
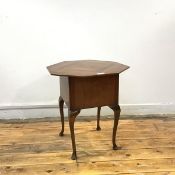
(83, 68)
(87, 84)
(34, 147)
(89, 92)
(98, 119)
(65, 89)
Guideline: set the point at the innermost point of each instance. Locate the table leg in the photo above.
(116, 110)
(72, 116)
(61, 105)
(98, 119)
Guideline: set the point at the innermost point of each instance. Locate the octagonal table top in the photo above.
(86, 68)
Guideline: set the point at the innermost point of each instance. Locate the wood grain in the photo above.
(84, 68)
(148, 147)
(91, 92)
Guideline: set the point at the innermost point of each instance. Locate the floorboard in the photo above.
(147, 147)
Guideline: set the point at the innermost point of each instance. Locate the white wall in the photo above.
(37, 33)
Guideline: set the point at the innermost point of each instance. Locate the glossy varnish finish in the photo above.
(87, 84)
(91, 92)
(65, 89)
(83, 68)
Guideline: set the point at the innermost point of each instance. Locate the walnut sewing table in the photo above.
(87, 84)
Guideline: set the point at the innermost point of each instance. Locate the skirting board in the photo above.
(43, 111)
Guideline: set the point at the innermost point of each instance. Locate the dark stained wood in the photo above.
(64, 89)
(87, 84)
(61, 106)
(72, 116)
(83, 68)
(98, 119)
(91, 92)
(116, 110)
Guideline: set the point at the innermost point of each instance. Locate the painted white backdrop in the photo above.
(37, 33)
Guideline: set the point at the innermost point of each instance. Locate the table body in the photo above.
(88, 92)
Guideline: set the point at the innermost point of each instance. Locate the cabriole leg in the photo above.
(61, 104)
(98, 119)
(72, 116)
(116, 110)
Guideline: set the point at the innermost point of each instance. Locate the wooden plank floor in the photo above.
(34, 148)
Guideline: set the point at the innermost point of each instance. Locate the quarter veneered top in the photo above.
(85, 68)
